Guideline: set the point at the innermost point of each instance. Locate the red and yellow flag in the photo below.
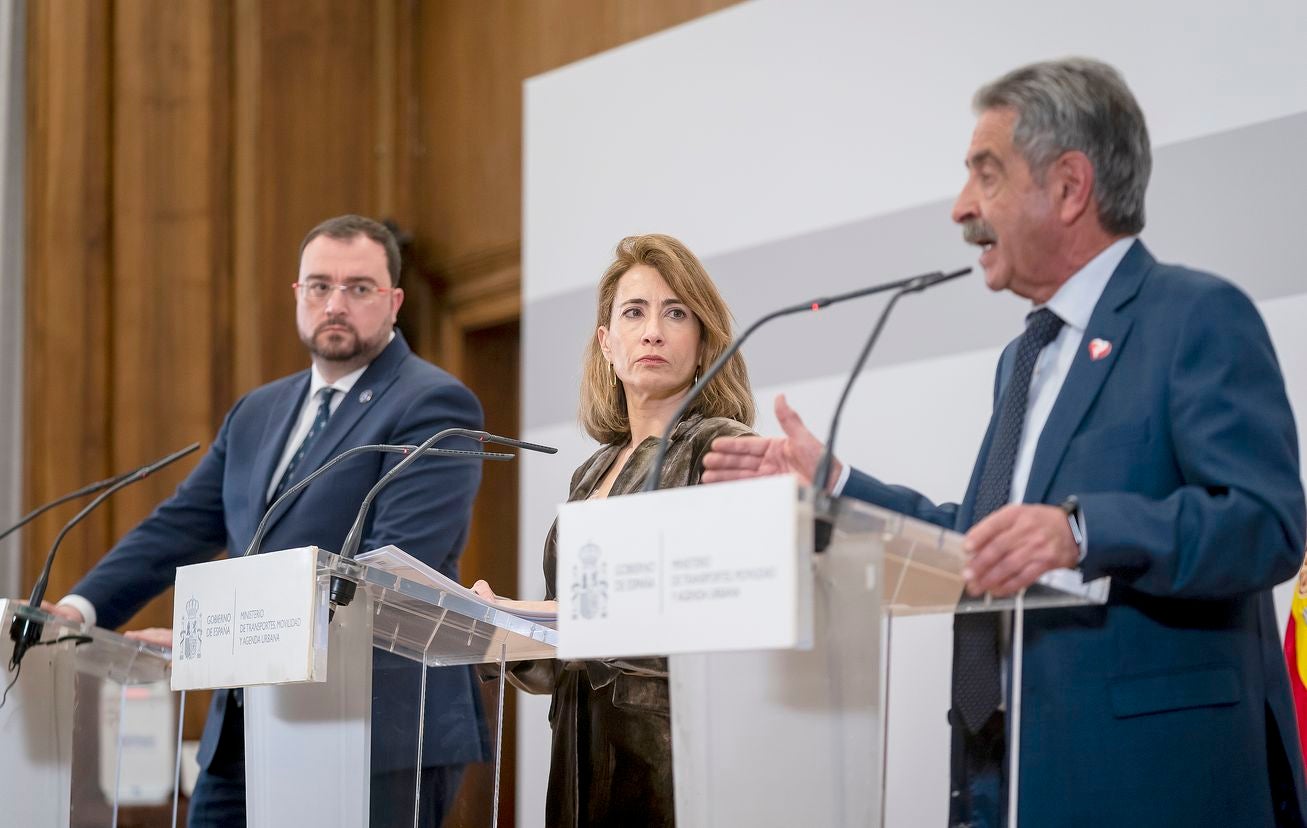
(1295, 656)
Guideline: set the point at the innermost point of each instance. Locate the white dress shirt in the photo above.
(308, 413)
(1074, 304)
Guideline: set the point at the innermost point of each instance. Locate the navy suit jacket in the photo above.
(425, 512)
(1170, 705)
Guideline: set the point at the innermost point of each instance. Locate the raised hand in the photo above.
(798, 452)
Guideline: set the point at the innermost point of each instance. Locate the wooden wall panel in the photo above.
(178, 151)
(474, 58)
(493, 364)
(171, 221)
(305, 149)
(171, 198)
(68, 295)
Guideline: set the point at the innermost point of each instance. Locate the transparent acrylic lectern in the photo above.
(54, 772)
(854, 731)
(308, 746)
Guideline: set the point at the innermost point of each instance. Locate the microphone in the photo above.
(823, 528)
(82, 492)
(25, 633)
(342, 590)
(910, 285)
(257, 541)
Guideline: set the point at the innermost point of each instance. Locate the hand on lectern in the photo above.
(64, 611)
(1012, 548)
(158, 636)
(483, 591)
(798, 452)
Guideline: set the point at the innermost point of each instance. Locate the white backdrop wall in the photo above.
(802, 149)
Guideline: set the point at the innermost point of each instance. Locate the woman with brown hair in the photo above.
(660, 321)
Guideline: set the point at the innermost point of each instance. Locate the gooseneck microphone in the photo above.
(909, 285)
(257, 541)
(82, 492)
(823, 528)
(827, 458)
(24, 632)
(342, 590)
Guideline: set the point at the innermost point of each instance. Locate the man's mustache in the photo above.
(335, 323)
(977, 231)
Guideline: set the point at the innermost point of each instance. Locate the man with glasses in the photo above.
(364, 386)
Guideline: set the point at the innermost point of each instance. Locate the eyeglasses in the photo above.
(316, 291)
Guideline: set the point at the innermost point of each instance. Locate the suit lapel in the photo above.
(1085, 379)
(285, 409)
(377, 379)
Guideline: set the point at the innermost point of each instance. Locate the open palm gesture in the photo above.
(740, 458)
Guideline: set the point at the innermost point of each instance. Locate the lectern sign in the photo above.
(696, 569)
(248, 621)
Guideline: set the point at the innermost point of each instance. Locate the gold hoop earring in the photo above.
(612, 375)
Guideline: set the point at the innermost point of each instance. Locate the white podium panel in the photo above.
(321, 730)
(52, 768)
(674, 571)
(788, 737)
(801, 735)
(309, 733)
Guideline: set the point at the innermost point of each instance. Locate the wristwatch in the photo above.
(1071, 507)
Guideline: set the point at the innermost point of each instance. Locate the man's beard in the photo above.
(343, 344)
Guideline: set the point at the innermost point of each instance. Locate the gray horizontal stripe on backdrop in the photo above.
(1229, 203)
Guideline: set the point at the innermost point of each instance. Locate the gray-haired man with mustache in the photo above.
(1140, 431)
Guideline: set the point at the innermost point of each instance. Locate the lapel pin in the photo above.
(1099, 348)
(366, 396)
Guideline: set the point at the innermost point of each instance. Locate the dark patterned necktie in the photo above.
(319, 424)
(977, 685)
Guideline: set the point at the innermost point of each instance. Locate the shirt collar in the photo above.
(1075, 300)
(344, 384)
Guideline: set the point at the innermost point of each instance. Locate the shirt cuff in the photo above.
(838, 488)
(82, 605)
(1084, 539)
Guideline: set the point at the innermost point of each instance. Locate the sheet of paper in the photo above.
(1069, 580)
(397, 562)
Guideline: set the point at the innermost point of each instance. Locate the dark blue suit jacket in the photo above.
(1170, 705)
(425, 511)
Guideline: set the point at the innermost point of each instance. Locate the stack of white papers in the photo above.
(399, 563)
